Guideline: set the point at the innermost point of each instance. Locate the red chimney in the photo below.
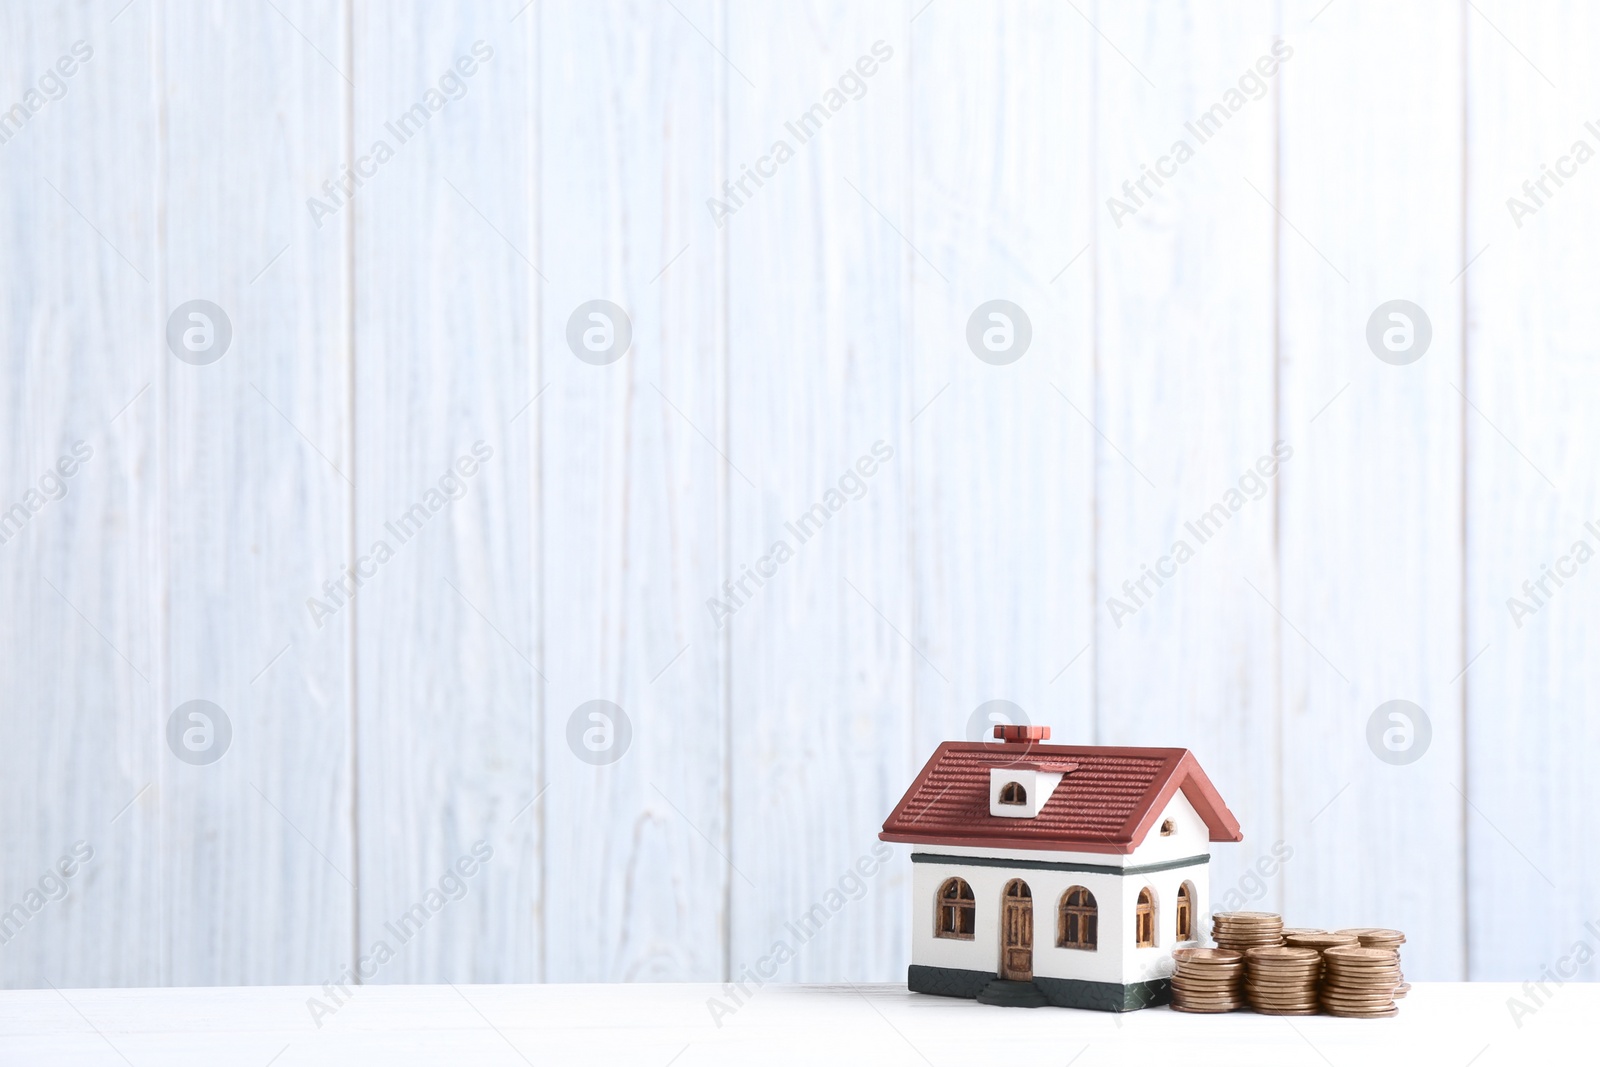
(1021, 734)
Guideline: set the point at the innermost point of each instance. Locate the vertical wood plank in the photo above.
(1003, 506)
(1532, 449)
(631, 99)
(1371, 506)
(1185, 649)
(821, 670)
(258, 847)
(81, 563)
(448, 658)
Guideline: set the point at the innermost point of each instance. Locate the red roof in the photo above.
(1106, 803)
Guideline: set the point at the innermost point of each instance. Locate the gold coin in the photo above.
(1218, 955)
(1205, 983)
(1273, 970)
(1204, 1011)
(1188, 981)
(1283, 953)
(1209, 969)
(1303, 974)
(1381, 995)
(1386, 985)
(1387, 1014)
(1359, 954)
(1281, 994)
(1285, 1011)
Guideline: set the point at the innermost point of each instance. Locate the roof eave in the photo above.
(1030, 844)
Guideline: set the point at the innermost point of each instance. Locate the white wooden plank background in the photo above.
(446, 670)
(769, 353)
(1531, 455)
(818, 282)
(1371, 526)
(1185, 392)
(84, 582)
(630, 492)
(251, 505)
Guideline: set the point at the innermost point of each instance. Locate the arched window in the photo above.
(955, 910)
(1077, 924)
(1167, 828)
(1144, 920)
(1013, 793)
(1186, 912)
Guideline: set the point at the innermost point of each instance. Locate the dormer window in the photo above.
(1020, 789)
(1167, 828)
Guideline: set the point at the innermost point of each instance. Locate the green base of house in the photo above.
(1060, 992)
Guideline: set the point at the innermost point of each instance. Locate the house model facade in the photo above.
(1056, 874)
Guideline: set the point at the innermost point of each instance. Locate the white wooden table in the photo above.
(1450, 1024)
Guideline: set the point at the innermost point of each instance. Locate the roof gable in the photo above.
(1108, 802)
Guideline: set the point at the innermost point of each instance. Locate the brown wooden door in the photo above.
(1016, 933)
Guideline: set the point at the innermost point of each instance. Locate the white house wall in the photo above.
(1115, 959)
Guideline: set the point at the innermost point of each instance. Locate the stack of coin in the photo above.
(1359, 982)
(1207, 980)
(1377, 937)
(1282, 981)
(1244, 930)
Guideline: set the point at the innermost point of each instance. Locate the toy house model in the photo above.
(1056, 874)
